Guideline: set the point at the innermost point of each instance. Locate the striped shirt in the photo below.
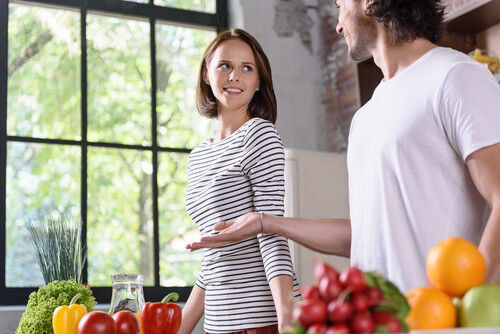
(242, 173)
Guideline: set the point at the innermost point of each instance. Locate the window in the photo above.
(97, 118)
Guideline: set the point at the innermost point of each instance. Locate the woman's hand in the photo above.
(243, 227)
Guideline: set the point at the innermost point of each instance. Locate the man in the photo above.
(423, 156)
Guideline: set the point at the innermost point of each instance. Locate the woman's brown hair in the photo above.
(263, 103)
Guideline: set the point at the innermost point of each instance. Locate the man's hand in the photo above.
(244, 227)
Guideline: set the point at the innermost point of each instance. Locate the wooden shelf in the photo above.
(476, 20)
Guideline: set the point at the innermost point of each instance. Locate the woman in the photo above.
(245, 287)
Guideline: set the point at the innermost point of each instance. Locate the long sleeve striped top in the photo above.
(242, 173)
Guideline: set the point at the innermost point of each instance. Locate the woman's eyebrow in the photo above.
(229, 61)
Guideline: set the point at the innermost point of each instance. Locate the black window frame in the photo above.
(147, 11)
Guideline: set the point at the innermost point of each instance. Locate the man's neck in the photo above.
(394, 58)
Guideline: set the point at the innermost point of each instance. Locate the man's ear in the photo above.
(367, 3)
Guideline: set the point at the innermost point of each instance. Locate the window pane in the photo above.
(179, 52)
(178, 267)
(198, 5)
(40, 179)
(44, 72)
(120, 215)
(119, 80)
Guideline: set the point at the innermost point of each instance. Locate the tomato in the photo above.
(353, 278)
(96, 323)
(317, 329)
(360, 302)
(126, 323)
(310, 312)
(387, 319)
(329, 289)
(362, 323)
(323, 270)
(310, 292)
(338, 329)
(375, 295)
(339, 311)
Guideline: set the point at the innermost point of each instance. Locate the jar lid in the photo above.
(122, 278)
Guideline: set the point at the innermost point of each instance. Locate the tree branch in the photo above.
(30, 51)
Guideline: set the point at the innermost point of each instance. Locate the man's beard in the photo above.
(366, 36)
(358, 53)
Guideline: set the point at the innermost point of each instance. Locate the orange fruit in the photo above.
(455, 265)
(431, 308)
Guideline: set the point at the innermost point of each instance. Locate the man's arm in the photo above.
(329, 236)
(484, 167)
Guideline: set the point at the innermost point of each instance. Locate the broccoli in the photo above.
(41, 305)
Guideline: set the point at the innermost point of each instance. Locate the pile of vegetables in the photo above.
(65, 307)
(155, 318)
(350, 302)
(41, 305)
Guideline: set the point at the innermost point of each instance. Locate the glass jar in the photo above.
(127, 293)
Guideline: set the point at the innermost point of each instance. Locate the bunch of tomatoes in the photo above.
(343, 303)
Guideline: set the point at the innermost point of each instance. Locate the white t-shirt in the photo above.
(409, 186)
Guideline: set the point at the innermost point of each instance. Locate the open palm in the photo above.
(243, 227)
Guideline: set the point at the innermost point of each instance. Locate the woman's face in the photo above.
(233, 75)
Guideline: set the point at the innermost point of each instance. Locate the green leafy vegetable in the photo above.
(381, 329)
(394, 301)
(41, 305)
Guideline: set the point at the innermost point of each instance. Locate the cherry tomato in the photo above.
(317, 329)
(353, 278)
(310, 292)
(387, 319)
(338, 329)
(339, 311)
(126, 323)
(323, 270)
(360, 302)
(310, 312)
(375, 295)
(329, 289)
(362, 323)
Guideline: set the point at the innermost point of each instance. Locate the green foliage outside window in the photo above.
(44, 101)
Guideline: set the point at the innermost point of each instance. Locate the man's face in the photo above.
(358, 29)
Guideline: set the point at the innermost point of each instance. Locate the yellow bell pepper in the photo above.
(66, 318)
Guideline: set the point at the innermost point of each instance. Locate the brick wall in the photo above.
(340, 96)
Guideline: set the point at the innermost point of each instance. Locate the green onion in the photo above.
(56, 244)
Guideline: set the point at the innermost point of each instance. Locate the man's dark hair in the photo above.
(409, 19)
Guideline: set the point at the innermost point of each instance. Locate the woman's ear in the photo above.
(205, 75)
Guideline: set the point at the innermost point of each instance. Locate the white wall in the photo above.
(315, 187)
(296, 72)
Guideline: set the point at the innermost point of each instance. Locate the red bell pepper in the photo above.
(162, 318)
